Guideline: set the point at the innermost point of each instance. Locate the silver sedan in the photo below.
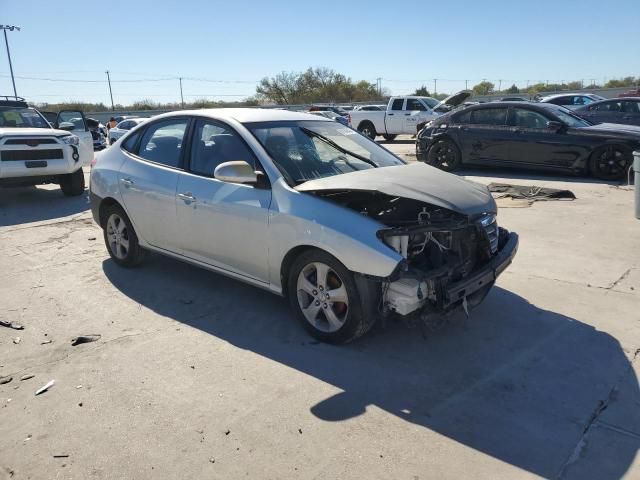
(305, 208)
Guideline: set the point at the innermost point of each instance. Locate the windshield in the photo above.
(431, 102)
(21, 118)
(571, 119)
(305, 150)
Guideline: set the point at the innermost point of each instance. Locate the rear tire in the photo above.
(72, 184)
(389, 138)
(336, 317)
(610, 162)
(121, 239)
(368, 130)
(445, 155)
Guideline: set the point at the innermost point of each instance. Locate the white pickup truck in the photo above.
(403, 115)
(35, 152)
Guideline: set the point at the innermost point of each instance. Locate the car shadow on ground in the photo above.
(515, 382)
(33, 204)
(535, 175)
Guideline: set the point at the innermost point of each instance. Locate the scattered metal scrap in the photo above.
(4, 380)
(14, 325)
(85, 339)
(26, 377)
(46, 387)
(525, 195)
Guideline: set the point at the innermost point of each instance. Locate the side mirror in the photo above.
(68, 126)
(555, 126)
(235, 172)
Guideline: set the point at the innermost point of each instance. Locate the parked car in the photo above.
(514, 99)
(403, 114)
(328, 108)
(572, 100)
(631, 93)
(346, 108)
(123, 127)
(32, 152)
(526, 134)
(615, 110)
(300, 206)
(344, 120)
(370, 108)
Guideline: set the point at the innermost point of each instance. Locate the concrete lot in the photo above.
(199, 376)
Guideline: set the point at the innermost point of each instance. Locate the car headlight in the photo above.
(71, 140)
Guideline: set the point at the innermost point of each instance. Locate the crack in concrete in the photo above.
(621, 278)
(587, 285)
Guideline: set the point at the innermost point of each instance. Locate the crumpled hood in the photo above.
(416, 181)
(632, 130)
(30, 132)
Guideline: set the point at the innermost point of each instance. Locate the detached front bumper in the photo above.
(485, 276)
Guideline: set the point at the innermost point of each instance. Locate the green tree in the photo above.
(513, 89)
(483, 88)
(421, 92)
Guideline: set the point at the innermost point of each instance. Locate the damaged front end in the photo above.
(450, 259)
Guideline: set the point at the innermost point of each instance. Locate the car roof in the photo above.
(246, 115)
(558, 95)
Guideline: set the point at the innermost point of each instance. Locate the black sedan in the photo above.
(530, 135)
(614, 110)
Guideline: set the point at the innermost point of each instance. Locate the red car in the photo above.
(631, 93)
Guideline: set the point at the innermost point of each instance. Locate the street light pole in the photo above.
(181, 96)
(6, 42)
(113, 108)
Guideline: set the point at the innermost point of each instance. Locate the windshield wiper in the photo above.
(330, 142)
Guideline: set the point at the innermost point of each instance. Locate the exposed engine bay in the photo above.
(440, 247)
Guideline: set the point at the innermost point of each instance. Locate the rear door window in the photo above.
(397, 104)
(489, 116)
(526, 118)
(162, 142)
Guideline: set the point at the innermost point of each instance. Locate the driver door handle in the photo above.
(187, 197)
(127, 181)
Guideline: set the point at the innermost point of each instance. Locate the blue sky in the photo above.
(232, 44)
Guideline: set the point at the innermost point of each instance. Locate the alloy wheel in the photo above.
(118, 236)
(322, 297)
(611, 163)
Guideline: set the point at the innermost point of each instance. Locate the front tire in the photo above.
(389, 138)
(325, 298)
(121, 239)
(72, 184)
(445, 155)
(610, 162)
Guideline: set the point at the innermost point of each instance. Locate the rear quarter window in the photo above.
(462, 117)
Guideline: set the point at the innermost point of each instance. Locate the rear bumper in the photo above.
(487, 275)
(95, 201)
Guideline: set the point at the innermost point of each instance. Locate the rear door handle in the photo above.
(390, 114)
(127, 181)
(407, 114)
(187, 197)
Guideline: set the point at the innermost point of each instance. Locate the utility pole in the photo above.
(435, 86)
(113, 108)
(527, 84)
(6, 42)
(181, 97)
(379, 86)
(500, 85)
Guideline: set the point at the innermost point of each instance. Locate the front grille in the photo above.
(490, 226)
(32, 142)
(22, 155)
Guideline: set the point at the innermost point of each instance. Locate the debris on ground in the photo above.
(212, 460)
(46, 387)
(26, 377)
(4, 380)
(91, 238)
(17, 340)
(300, 431)
(62, 455)
(46, 342)
(227, 432)
(14, 325)
(80, 404)
(508, 195)
(78, 386)
(85, 339)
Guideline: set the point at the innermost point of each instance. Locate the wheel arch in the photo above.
(289, 258)
(102, 209)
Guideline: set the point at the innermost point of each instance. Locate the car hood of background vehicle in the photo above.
(31, 132)
(632, 130)
(416, 181)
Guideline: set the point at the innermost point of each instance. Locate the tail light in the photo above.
(94, 161)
